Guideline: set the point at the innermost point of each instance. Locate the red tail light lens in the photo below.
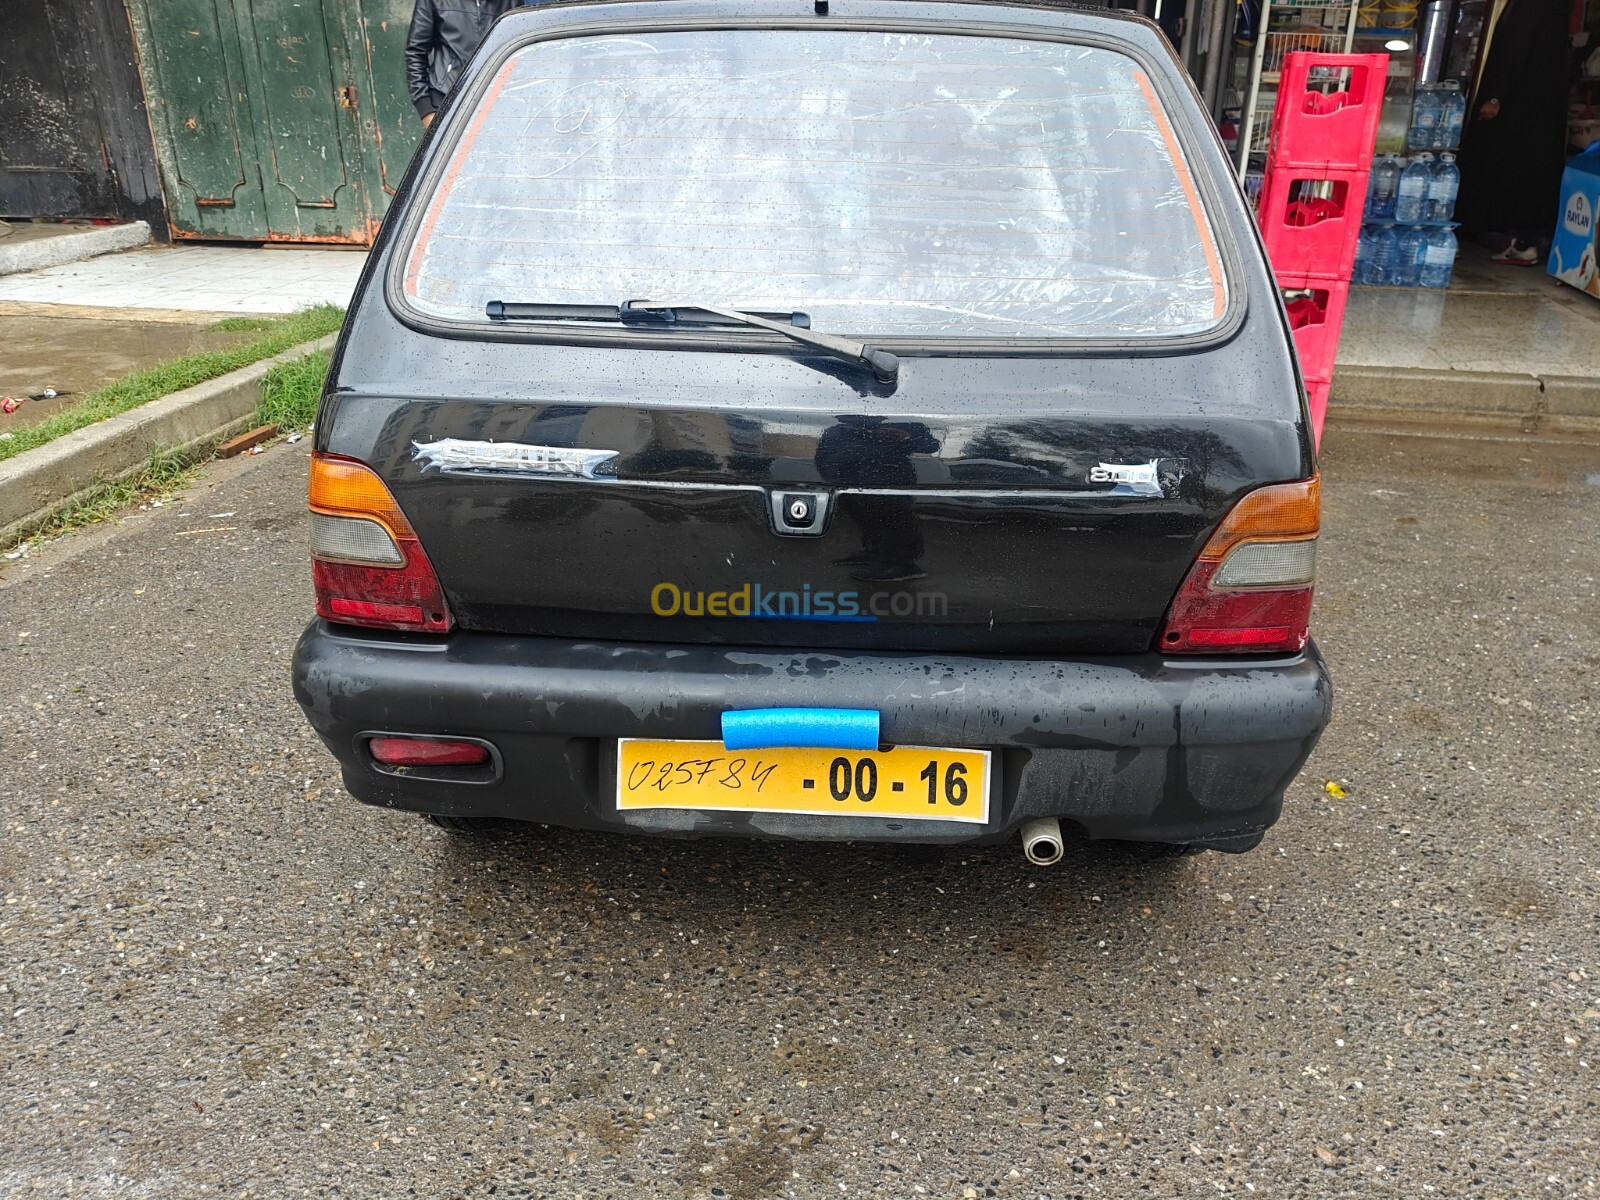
(1250, 590)
(427, 752)
(367, 566)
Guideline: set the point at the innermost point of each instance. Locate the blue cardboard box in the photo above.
(1572, 253)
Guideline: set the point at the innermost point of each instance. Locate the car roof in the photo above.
(1042, 17)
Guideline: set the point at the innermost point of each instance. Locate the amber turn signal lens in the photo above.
(342, 487)
(1278, 512)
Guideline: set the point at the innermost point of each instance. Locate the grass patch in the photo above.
(277, 335)
(243, 324)
(290, 392)
(163, 476)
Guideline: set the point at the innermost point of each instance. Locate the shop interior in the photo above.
(1439, 52)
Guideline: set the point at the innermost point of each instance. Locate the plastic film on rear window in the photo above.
(885, 183)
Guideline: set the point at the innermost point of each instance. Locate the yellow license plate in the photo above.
(920, 782)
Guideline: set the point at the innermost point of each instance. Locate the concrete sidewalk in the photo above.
(192, 277)
(38, 245)
(1492, 318)
(1500, 342)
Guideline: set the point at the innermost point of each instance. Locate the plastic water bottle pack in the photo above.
(1424, 118)
(1410, 256)
(1443, 184)
(1413, 191)
(1383, 183)
(1407, 239)
(1438, 258)
(1410, 246)
(1438, 112)
(1379, 258)
(1452, 116)
(1410, 203)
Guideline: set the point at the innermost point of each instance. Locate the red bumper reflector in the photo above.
(426, 752)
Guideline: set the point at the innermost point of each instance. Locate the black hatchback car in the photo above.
(875, 422)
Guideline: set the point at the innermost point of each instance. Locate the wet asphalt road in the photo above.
(220, 976)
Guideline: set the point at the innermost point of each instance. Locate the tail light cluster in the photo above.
(367, 565)
(1249, 592)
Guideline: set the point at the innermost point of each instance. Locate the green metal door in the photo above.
(203, 128)
(390, 126)
(256, 109)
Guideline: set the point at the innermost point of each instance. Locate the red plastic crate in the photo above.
(1337, 129)
(1311, 220)
(1317, 401)
(1316, 314)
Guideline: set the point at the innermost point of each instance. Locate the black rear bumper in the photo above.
(1134, 747)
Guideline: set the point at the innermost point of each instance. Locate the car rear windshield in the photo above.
(891, 184)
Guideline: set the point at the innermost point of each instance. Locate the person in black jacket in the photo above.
(444, 33)
(1513, 152)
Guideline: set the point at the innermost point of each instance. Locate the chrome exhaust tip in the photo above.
(1041, 841)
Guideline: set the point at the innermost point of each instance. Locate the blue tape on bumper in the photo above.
(768, 728)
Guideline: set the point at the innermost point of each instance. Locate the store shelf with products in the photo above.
(1400, 46)
(1285, 28)
(1437, 51)
(1583, 109)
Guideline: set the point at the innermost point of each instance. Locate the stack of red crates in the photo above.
(1313, 196)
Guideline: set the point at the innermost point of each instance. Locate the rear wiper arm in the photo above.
(885, 366)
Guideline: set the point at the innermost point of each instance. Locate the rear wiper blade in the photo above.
(795, 325)
(611, 314)
(885, 366)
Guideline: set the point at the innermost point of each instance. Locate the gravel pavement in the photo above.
(221, 976)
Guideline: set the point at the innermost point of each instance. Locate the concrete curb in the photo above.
(37, 482)
(1470, 397)
(1572, 396)
(1409, 389)
(37, 253)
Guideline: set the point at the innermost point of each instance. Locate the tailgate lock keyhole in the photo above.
(799, 513)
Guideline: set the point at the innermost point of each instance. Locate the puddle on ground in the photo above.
(76, 355)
